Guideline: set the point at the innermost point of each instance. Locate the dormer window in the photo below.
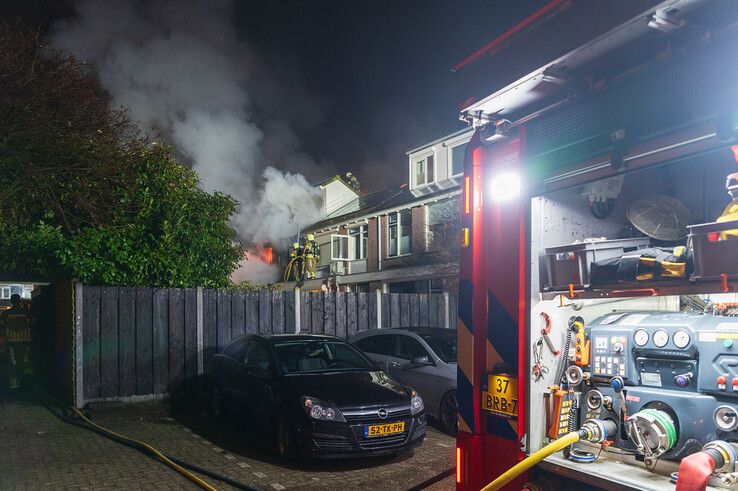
(457, 159)
(424, 171)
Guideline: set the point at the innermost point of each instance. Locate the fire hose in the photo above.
(593, 430)
(76, 417)
(696, 469)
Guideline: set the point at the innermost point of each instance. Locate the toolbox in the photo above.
(570, 264)
(714, 256)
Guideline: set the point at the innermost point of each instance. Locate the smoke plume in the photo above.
(183, 71)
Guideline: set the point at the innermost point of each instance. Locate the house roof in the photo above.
(376, 202)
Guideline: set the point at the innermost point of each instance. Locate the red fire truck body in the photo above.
(579, 93)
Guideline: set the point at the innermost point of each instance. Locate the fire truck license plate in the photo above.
(502, 395)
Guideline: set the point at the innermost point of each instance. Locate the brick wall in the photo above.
(372, 249)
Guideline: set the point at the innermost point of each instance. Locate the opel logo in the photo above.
(382, 413)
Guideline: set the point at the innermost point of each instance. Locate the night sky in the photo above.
(380, 70)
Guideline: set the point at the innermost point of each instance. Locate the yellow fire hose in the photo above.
(592, 430)
(189, 475)
(532, 460)
(126, 440)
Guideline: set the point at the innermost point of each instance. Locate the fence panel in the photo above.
(160, 342)
(352, 320)
(238, 305)
(127, 341)
(91, 350)
(329, 313)
(306, 312)
(176, 339)
(144, 360)
(108, 341)
(190, 333)
(289, 312)
(395, 310)
(252, 312)
(277, 313)
(316, 307)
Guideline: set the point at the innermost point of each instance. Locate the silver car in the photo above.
(423, 358)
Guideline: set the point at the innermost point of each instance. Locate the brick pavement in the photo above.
(39, 451)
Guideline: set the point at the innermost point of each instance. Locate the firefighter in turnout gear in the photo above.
(311, 255)
(296, 262)
(16, 323)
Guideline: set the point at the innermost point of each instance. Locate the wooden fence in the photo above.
(145, 342)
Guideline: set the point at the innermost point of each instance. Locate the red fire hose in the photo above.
(694, 472)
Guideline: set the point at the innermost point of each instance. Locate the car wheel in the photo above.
(448, 413)
(284, 440)
(216, 404)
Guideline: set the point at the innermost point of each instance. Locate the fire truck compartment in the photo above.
(564, 216)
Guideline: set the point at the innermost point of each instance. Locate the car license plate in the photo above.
(385, 429)
(501, 396)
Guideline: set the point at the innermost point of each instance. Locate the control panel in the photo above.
(676, 371)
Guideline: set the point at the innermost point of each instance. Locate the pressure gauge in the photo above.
(660, 338)
(681, 338)
(640, 337)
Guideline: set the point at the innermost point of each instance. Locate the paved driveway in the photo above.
(37, 450)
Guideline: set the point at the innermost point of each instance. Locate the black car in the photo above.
(318, 395)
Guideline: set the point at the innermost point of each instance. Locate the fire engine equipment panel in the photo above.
(668, 379)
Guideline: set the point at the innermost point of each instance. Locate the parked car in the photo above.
(422, 357)
(318, 395)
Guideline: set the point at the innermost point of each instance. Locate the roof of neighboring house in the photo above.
(375, 202)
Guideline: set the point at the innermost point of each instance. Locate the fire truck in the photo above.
(597, 338)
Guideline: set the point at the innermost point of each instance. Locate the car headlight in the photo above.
(416, 402)
(322, 410)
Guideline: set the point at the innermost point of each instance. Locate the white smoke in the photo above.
(181, 69)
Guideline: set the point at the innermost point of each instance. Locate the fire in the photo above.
(268, 255)
(263, 253)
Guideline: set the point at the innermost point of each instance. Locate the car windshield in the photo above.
(443, 346)
(315, 356)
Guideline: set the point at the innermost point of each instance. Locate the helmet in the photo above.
(310, 237)
(731, 185)
(295, 245)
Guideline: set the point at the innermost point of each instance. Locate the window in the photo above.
(235, 349)
(339, 248)
(256, 357)
(444, 224)
(380, 344)
(457, 159)
(424, 170)
(443, 346)
(399, 233)
(359, 239)
(5, 292)
(408, 348)
(320, 356)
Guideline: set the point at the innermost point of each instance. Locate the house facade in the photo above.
(395, 240)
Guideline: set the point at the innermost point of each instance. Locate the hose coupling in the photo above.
(723, 453)
(597, 430)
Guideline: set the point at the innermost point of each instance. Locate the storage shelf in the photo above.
(645, 289)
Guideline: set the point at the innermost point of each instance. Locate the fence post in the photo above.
(297, 310)
(379, 308)
(200, 333)
(446, 310)
(79, 397)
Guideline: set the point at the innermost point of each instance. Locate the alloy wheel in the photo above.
(448, 413)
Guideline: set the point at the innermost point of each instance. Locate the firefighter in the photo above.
(311, 255)
(16, 322)
(296, 261)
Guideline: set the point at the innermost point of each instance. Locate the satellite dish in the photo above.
(660, 217)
